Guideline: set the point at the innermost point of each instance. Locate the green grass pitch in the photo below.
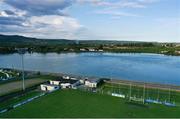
(74, 103)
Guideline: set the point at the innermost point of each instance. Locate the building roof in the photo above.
(55, 80)
(67, 81)
(94, 80)
(49, 85)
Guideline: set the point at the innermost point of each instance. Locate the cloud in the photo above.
(10, 21)
(48, 19)
(40, 7)
(51, 26)
(114, 8)
(8, 17)
(9, 12)
(119, 3)
(12, 13)
(148, 1)
(60, 23)
(38, 18)
(116, 13)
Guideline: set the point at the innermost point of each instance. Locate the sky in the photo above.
(125, 20)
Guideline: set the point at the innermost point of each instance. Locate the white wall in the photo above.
(91, 84)
(54, 82)
(65, 85)
(48, 88)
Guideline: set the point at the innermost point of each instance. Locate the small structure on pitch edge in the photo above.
(48, 87)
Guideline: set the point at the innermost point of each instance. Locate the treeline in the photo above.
(9, 44)
(65, 47)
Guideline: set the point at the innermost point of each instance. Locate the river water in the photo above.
(138, 67)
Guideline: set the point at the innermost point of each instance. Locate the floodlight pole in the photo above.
(130, 92)
(22, 51)
(144, 92)
(119, 89)
(22, 60)
(112, 86)
(158, 94)
(169, 94)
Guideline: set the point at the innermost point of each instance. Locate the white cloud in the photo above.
(3, 14)
(52, 26)
(46, 18)
(55, 21)
(119, 3)
(148, 1)
(40, 7)
(38, 18)
(116, 13)
(115, 8)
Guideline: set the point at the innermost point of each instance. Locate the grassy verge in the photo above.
(18, 99)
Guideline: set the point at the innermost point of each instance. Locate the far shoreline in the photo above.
(64, 52)
(104, 52)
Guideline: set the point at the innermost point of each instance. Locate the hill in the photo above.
(9, 40)
(16, 39)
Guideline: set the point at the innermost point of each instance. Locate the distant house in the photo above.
(72, 78)
(178, 52)
(54, 82)
(47, 87)
(177, 45)
(164, 51)
(71, 50)
(66, 77)
(82, 49)
(100, 50)
(91, 50)
(65, 49)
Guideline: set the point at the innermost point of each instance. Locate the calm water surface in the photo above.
(139, 67)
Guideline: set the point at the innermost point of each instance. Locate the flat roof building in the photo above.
(66, 77)
(92, 83)
(54, 82)
(65, 85)
(47, 87)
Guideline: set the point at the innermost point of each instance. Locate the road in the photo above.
(17, 85)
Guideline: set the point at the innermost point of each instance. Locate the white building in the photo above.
(91, 84)
(178, 52)
(66, 77)
(82, 49)
(55, 82)
(100, 50)
(72, 78)
(92, 50)
(65, 85)
(47, 87)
